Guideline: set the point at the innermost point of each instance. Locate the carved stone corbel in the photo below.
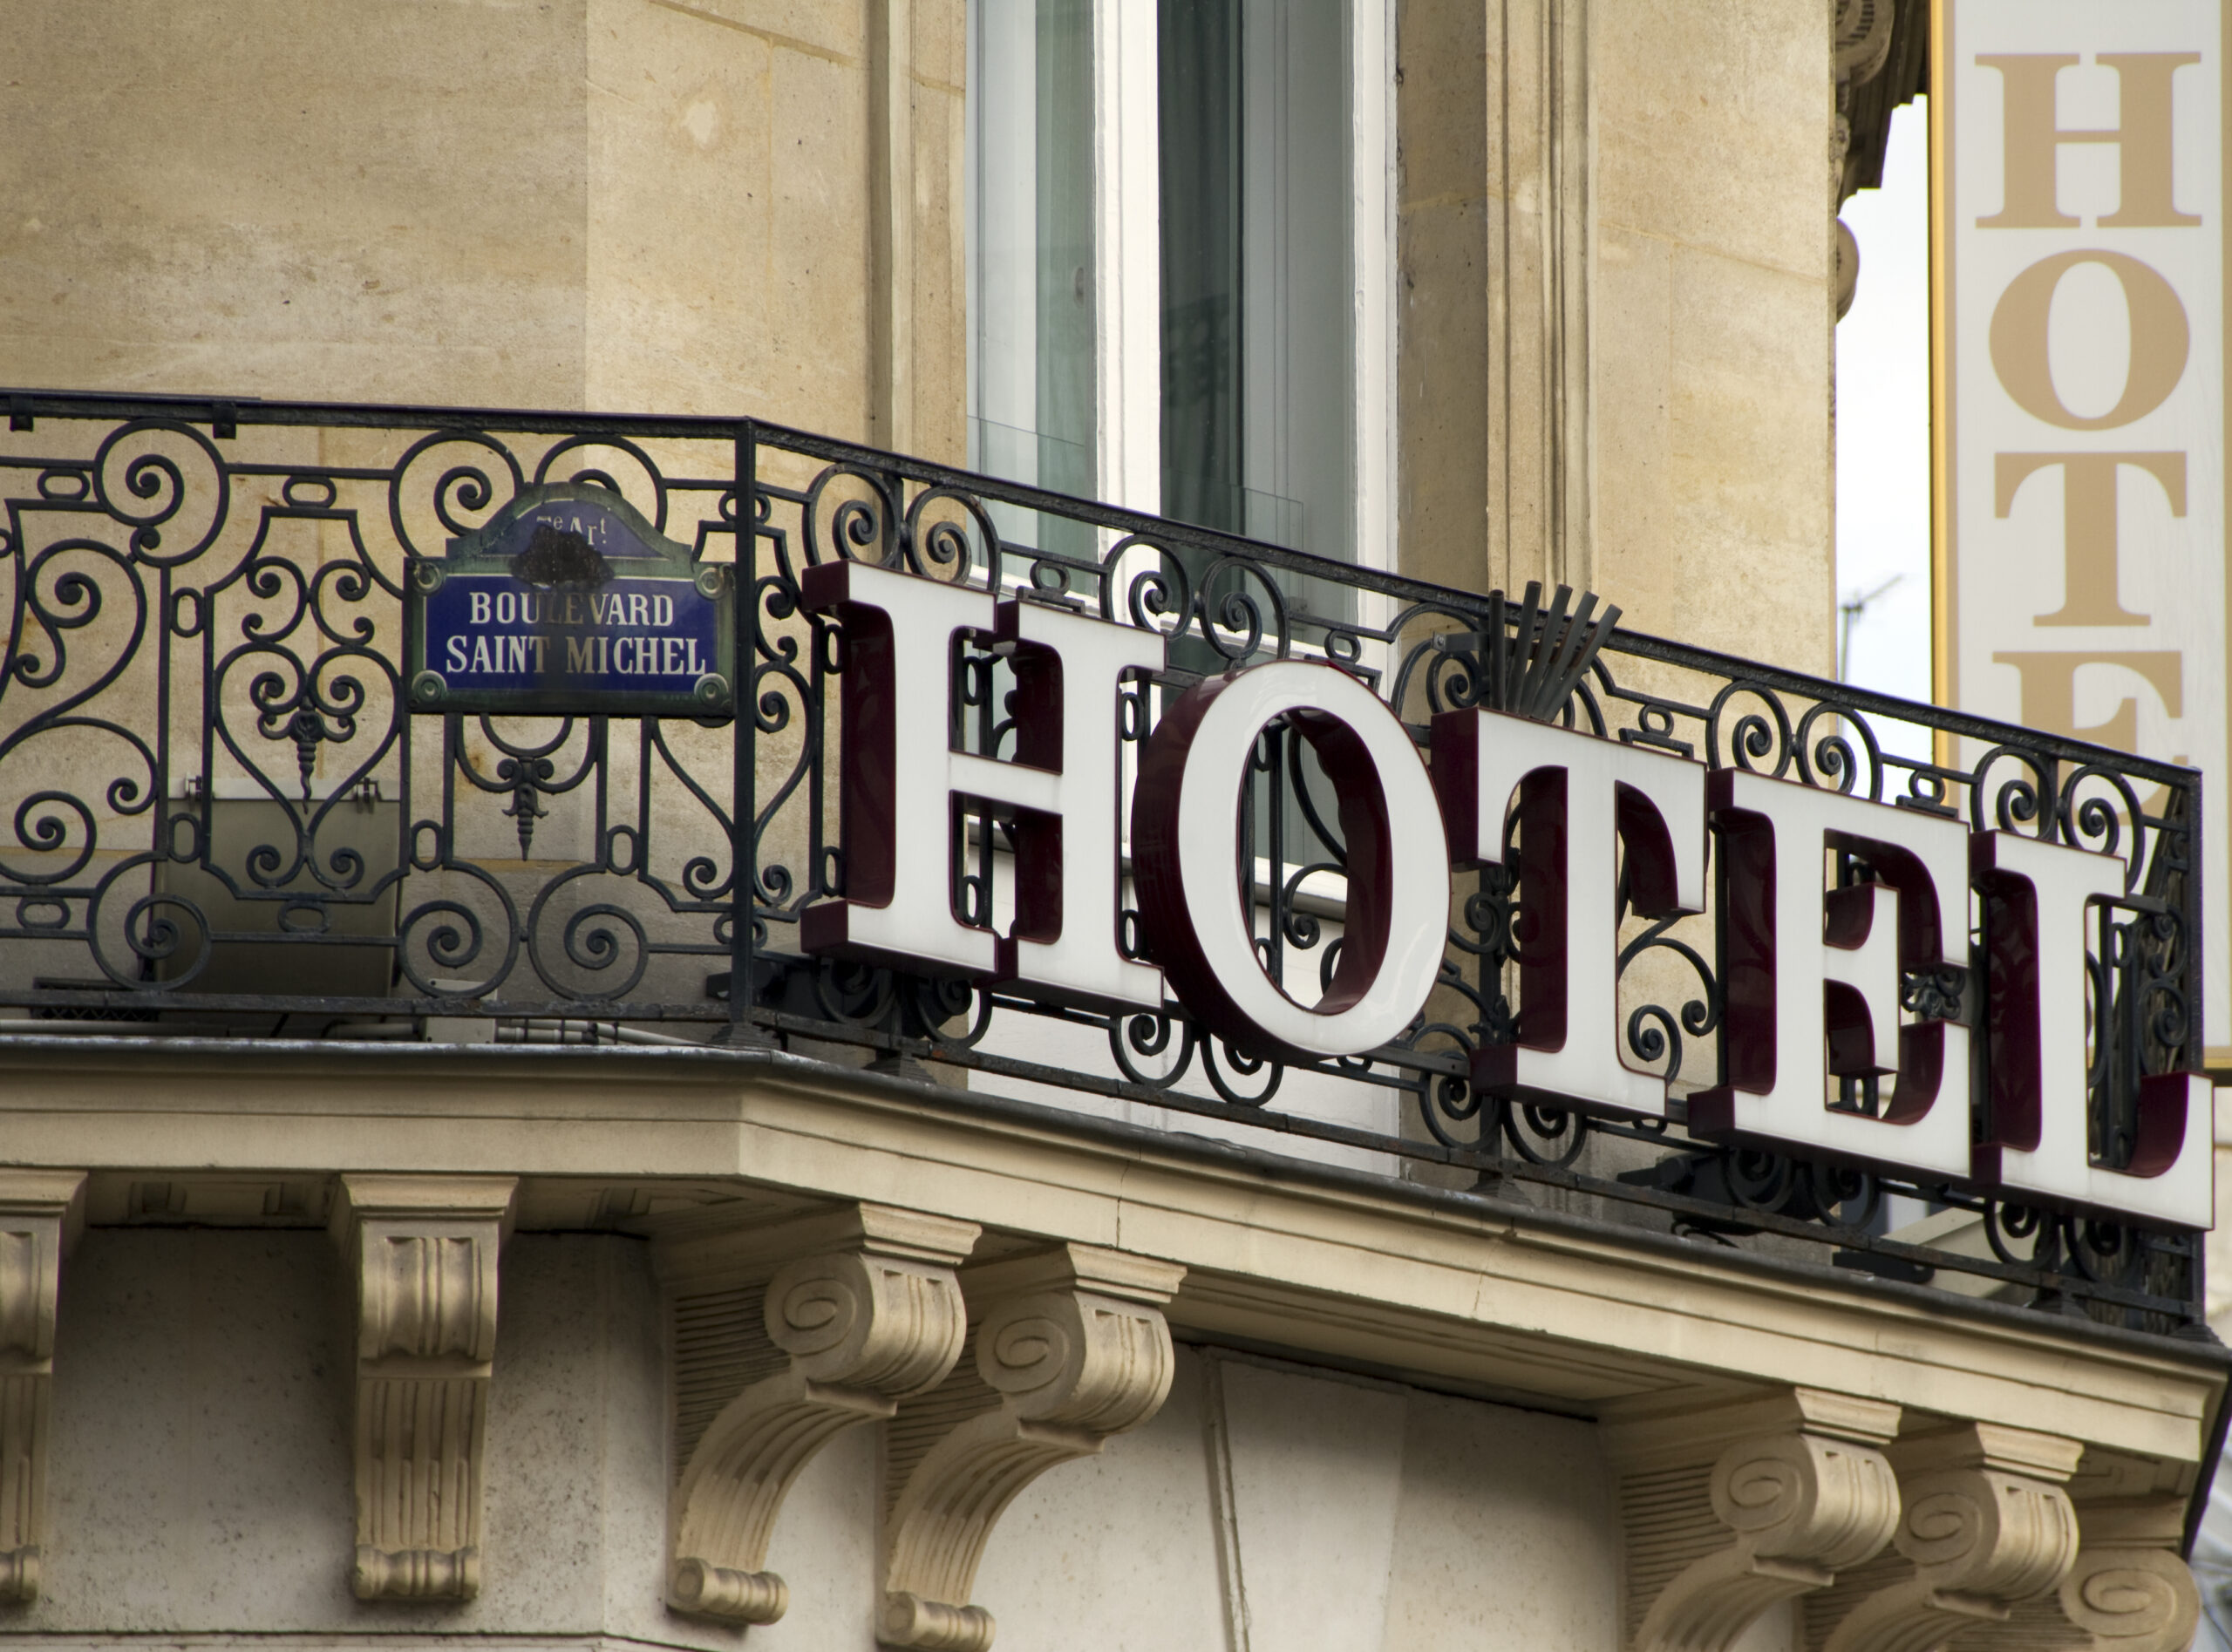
(1861, 42)
(1986, 1526)
(422, 1251)
(1798, 1489)
(40, 1213)
(1069, 1347)
(862, 1305)
(2129, 1590)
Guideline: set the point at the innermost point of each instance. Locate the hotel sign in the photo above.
(567, 603)
(1817, 978)
(2079, 196)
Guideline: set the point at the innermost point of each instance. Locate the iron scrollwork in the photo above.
(220, 810)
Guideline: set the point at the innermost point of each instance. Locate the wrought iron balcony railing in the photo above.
(219, 816)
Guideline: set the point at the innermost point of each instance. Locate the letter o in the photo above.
(1185, 819)
(2161, 339)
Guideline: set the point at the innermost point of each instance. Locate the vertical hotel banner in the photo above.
(2079, 205)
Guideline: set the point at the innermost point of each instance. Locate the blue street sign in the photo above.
(569, 603)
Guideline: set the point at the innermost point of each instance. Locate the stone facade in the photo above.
(359, 1346)
(1608, 356)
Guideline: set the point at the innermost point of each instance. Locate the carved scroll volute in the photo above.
(864, 1327)
(891, 1326)
(1803, 1490)
(1076, 1359)
(40, 1213)
(422, 1251)
(1862, 45)
(1823, 1503)
(2129, 1590)
(1986, 1526)
(1070, 1347)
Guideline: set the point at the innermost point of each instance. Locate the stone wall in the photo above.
(1615, 305)
(1614, 286)
(627, 205)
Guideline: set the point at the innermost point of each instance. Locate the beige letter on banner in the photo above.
(2160, 340)
(2034, 135)
(2088, 515)
(2050, 690)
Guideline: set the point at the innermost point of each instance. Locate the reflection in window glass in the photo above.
(1257, 269)
(1033, 402)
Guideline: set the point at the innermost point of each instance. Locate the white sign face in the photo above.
(2079, 222)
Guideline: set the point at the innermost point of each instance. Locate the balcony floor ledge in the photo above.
(1454, 1290)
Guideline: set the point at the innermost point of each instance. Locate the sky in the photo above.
(1883, 419)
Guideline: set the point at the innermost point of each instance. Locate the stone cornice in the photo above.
(1899, 79)
(1444, 1288)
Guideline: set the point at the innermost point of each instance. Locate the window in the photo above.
(1033, 405)
(1257, 264)
(1180, 259)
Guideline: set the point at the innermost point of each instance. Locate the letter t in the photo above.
(1576, 793)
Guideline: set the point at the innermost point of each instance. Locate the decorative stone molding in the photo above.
(1069, 1347)
(1863, 44)
(1861, 32)
(40, 1213)
(1728, 1512)
(422, 1250)
(2129, 1590)
(1986, 1526)
(863, 1303)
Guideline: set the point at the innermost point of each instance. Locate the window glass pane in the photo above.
(1067, 400)
(1032, 393)
(1199, 118)
(1258, 270)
